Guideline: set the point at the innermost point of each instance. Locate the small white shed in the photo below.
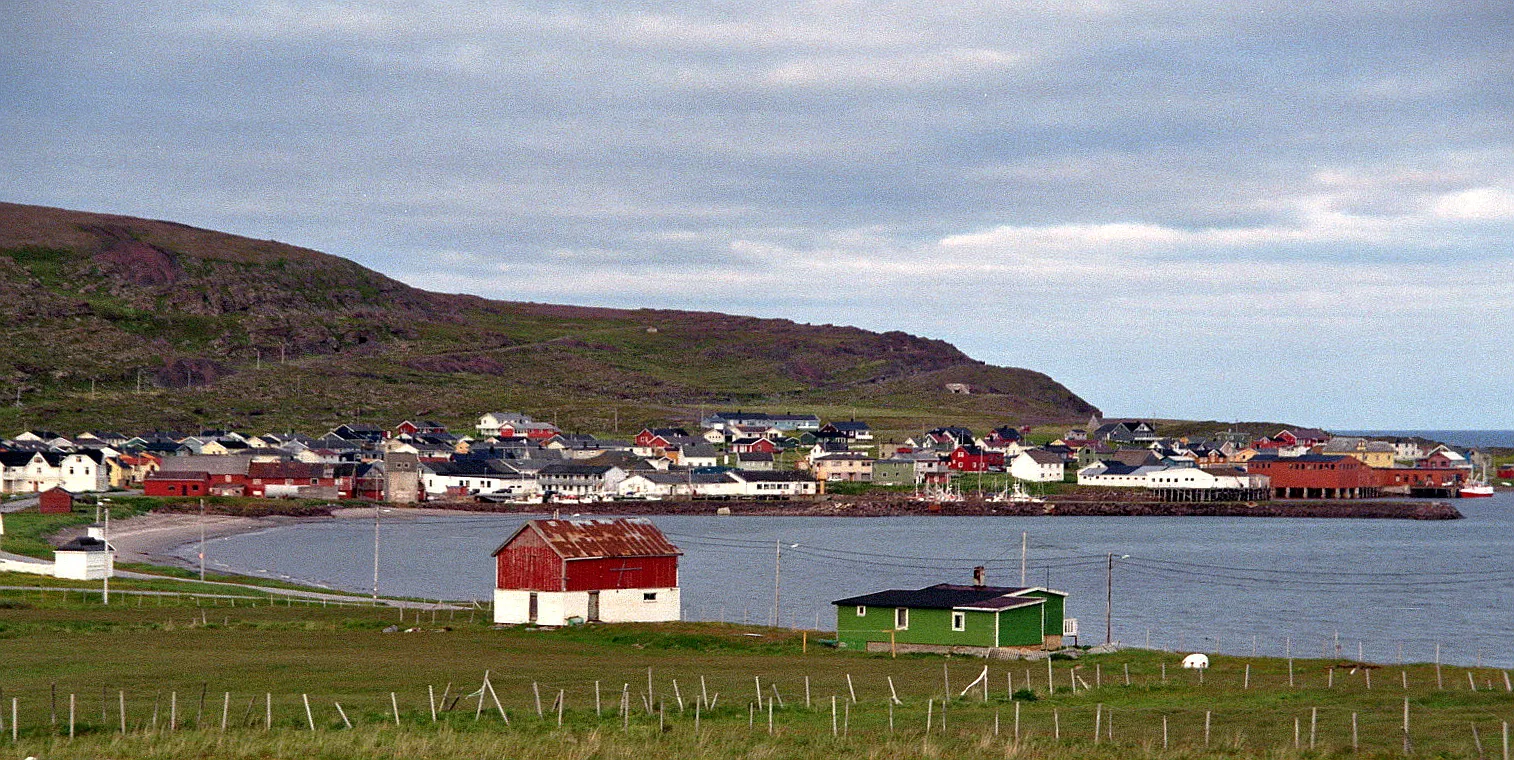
(86, 558)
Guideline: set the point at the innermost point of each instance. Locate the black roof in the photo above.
(83, 544)
(575, 469)
(946, 596)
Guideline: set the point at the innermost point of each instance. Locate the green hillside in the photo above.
(125, 323)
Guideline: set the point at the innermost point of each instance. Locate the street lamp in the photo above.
(110, 566)
(1109, 599)
(777, 564)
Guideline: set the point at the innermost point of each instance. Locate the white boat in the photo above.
(1015, 495)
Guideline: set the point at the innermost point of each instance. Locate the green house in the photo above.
(949, 618)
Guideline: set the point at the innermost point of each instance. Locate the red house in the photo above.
(974, 459)
(1305, 437)
(291, 479)
(55, 501)
(423, 427)
(534, 431)
(660, 437)
(615, 571)
(170, 483)
(754, 446)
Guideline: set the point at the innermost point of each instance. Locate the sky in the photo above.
(1298, 212)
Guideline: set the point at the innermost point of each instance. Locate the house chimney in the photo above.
(978, 579)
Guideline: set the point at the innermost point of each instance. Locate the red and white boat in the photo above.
(1475, 490)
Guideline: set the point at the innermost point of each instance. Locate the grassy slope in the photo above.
(340, 655)
(89, 297)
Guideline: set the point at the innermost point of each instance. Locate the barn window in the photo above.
(959, 621)
(901, 618)
(861, 610)
(650, 596)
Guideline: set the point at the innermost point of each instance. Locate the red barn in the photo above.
(613, 571)
(170, 483)
(55, 501)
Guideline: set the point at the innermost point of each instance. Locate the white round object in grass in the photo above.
(1200, 661)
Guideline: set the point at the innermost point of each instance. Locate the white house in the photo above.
(490, 423)
(1037, 466)
(83, 471)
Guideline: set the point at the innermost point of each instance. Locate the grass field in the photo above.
(174, 661)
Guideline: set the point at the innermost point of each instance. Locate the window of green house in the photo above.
(959, 621)
(861, 610)
(901, 618)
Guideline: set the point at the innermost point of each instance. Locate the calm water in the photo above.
(1467, 438)
(1187, 583)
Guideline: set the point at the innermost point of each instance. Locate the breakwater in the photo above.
(869, 506)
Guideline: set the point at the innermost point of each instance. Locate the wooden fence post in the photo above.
(309, 718)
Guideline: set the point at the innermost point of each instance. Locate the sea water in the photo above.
(1313, 586)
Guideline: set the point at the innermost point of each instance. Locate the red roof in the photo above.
(595, 539)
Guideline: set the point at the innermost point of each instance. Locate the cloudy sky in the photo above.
(1259, 210)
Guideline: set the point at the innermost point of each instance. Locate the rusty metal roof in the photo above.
(596, 539)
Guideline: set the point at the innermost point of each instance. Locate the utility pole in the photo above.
(202, 540)
(777, 563)
(1024, 546)
(110, 565)
(375, 553)
(1109, 601)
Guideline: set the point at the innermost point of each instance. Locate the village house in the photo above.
(1126, 431)
(579, 479)
(852, 430)
(556, 572)
(755, 461)
(976, 620)
(844, 467)
(1037, 466)
(1371, 453)
(784, 422)
(970, 458)
(470, 478)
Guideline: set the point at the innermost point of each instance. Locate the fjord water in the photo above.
(1194, 583)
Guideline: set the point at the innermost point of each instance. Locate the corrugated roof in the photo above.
(595, 539)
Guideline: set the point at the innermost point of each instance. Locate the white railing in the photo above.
(1069, 626)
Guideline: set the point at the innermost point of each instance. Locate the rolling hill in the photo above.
(119, 322)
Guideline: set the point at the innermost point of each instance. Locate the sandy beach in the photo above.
(153, 537)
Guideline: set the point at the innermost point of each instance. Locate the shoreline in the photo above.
(856, 506)
(154, 537)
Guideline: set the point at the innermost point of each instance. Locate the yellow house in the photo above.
(1378, 454)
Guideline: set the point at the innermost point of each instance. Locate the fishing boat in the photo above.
(1476, 488)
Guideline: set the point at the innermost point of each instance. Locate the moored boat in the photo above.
(1475, 490)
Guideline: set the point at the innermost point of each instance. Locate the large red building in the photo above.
(171, 483)
(1317, 476)
(549, 572)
